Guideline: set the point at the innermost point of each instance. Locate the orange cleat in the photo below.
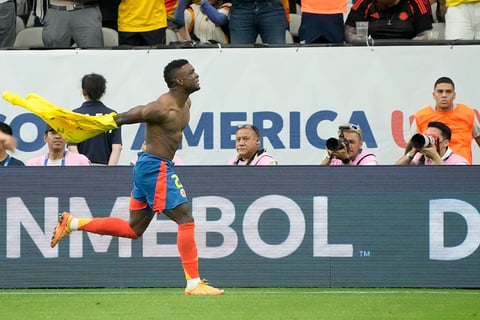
(204, 289)
(62, 228)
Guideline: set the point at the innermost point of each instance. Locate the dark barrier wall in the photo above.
(256, 226)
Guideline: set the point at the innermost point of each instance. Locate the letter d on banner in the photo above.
(438, 208)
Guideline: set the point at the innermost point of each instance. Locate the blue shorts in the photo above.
(156, 185)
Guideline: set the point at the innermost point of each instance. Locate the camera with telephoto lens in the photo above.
(335, 144)
(420, 141)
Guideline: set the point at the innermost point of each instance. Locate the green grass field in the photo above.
(241, 303)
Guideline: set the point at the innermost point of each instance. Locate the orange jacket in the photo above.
(461, 121)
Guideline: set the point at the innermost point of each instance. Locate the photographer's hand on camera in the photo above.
(427, 152)
(432, 153)
(341, 154)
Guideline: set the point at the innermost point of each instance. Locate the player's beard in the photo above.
(383, 5)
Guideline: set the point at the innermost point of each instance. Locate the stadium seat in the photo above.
(29, 38)
(295, 21)
(110, 37)
(20, 25)
(170, 36)
(289, 38)
(32, 38)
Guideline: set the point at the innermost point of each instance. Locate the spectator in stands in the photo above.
(267, 18)
(142, 22)
(247, 143)
(390, 19)
(347, 149)
(460, 118)
(7, 23)
(57, 154)
(322, 21)
(7, 142)
(105, 148)
(77, 20)
(175, 18)
(427, 153)
(207, 21)
(462, 19)
(109, 9)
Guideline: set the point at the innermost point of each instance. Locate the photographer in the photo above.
(347, 149)
(431, 148)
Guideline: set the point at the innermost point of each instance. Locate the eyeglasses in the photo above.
(249, 126)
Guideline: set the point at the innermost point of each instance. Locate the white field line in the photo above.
(7, 292)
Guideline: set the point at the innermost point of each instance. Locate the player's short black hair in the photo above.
(444, 129)
(94, 86)
(444, 80)
(170, 71)
(5, 128)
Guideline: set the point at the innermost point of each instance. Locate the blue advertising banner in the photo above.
(283, 226)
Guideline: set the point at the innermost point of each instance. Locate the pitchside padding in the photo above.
(298, 226)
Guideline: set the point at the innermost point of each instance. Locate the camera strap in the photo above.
(367, 155)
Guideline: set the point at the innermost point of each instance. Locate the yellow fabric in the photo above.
(74, 127)
(141, 15)
(453, 3)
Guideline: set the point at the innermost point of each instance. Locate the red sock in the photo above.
(187, 247)
(109, 226)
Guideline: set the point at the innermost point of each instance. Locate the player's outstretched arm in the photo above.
(134, 115)
(155, 111)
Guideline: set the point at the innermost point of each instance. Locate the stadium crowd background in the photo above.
(31, 15)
